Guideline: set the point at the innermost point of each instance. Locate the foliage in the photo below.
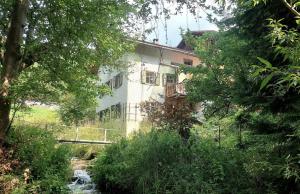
(286, 43)
(159, 162)
(71, 51)
(49, 49)
(171, 115)
(47, 164)
(223, 80)
(85, 152)
(262, 98)
(271, 157)
(73, 109)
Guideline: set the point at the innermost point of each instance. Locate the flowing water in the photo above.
(81, 180)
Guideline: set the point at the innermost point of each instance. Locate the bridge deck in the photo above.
(84, 141)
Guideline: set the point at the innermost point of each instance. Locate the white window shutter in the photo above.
(157, 81)
(121, 79)
(164, 79)
(143, 77)
(113, 82)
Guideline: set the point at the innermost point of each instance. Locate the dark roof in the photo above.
(184, 46)
(175, 49)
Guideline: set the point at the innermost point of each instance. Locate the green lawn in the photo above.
(47, 118)
(39, 114)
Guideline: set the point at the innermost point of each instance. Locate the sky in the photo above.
(183, 21)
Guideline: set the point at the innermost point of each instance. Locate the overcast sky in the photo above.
(175, 23)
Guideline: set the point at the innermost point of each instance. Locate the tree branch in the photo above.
(29, 58)
(291, 8)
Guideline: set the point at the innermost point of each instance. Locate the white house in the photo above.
(152, 74)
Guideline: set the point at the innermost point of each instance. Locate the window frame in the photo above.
(118, 81)
(173, 76)
(188, 62)
(153, 79)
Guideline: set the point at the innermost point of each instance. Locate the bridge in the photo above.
(95, 136)
(83, 142)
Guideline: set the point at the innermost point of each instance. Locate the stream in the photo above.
(81, 180)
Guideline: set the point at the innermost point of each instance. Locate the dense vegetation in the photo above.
(160, 162)
(34, 163)
(250, 78)
(248, 84)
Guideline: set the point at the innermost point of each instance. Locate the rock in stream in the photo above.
(82, 182)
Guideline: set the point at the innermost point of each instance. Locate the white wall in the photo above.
(119, 95)
(132, 90)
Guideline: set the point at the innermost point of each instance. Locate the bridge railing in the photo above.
(73, 133)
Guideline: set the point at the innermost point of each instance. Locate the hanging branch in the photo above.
(291, 8)
(165, 21)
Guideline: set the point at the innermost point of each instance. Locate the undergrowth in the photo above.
(38, 164)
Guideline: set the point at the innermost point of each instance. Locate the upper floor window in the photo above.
(188, 62)
(169, 78)
(118, 80)
(150, 77)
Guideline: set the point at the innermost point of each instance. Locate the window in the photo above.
(116, 111)
(188, 62)
(150, 77)
(109, 84)
(118, 80)
(169, 78)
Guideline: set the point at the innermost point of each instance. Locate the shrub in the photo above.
(85, 152)
(160, 162)
(48, 163)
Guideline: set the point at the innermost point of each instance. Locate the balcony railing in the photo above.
(175, 90)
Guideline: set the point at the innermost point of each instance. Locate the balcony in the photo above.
(175, 90)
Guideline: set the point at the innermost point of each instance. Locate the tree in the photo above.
(172, 115)
(251, 71)
(49, 48)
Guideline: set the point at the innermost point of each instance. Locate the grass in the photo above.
(48, 119)
(39, 114)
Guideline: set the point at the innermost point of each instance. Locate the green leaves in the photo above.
(297, 4)
(266, 81)
(260, 70)
(267, 63)
(67, 41)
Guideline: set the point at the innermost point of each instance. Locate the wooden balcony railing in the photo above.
(175, 90)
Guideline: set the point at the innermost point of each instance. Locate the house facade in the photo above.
(152, 75)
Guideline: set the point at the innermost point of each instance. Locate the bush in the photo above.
(161, 162)
(85, 152)
(48, 163)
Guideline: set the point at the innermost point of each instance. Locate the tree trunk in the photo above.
(4, 118)
(12, 61)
